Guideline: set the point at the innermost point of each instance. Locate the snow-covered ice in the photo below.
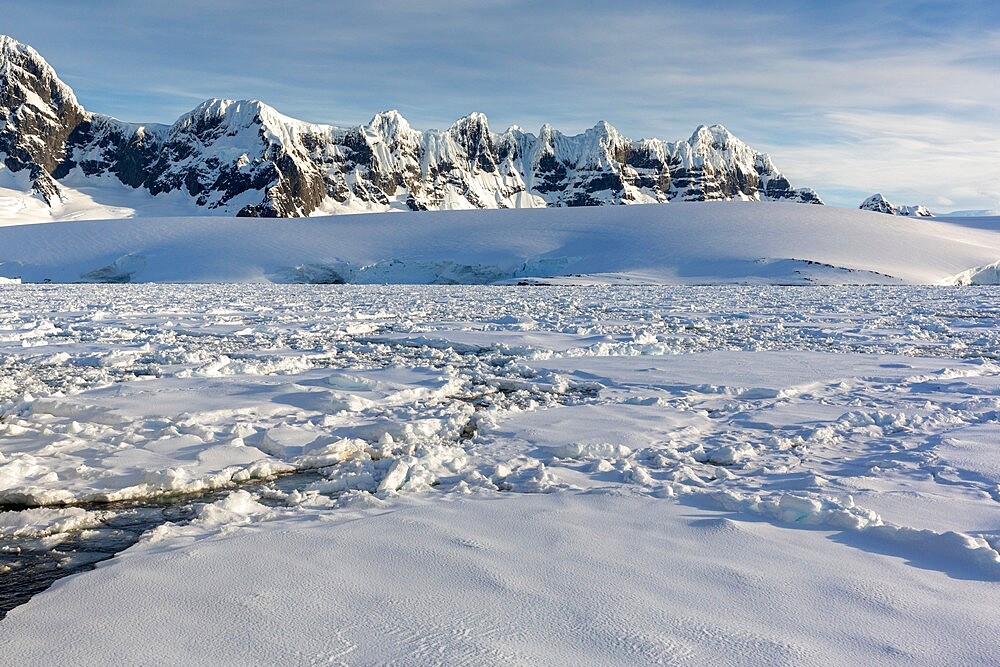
(428, 474)
(613, 578)
(678, 243)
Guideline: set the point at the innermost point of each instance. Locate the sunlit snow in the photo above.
(676, 243)
(603, 474)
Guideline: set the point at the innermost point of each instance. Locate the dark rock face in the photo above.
(124, 150)
(244, 158)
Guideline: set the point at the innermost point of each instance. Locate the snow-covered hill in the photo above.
(880, 204)
(226, 157)
(679, 243)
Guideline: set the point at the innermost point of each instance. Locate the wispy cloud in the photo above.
(925, 159)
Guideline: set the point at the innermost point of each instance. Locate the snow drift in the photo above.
(679, 243)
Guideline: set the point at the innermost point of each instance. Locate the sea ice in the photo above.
(634, 473)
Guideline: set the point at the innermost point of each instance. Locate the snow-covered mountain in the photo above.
(244, 158)
(38, 112)
(880, 204)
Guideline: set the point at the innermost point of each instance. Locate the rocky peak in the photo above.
(918, 210)
(546, 137)
(390, 125)
(216, 118)
(880, 204)
(716, 145)
(474, 122)
(24, 71)
(515, 143)
(596, 147)
(607, 134)
(235, 110)
(712, 137)
(608, 146)
(38, 112)
(473, 137)
(472, 132)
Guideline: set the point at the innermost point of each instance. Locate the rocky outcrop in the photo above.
(880, 204)
(244, 158)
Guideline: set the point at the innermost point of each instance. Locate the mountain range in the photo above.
(243, 158)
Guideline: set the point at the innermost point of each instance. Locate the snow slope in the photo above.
(679, 243)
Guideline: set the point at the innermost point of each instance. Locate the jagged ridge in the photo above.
(245, 158)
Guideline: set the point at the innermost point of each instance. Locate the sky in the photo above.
(849, 97)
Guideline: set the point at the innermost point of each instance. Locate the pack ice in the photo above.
(467, 475)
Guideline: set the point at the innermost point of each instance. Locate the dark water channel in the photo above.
(29, 565)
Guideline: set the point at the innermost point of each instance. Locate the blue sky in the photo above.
(848, 97)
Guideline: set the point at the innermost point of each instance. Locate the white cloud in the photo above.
(911, 159)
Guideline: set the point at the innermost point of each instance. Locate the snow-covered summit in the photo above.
(21, 67)
(715, 136)
(880, 204)
(715, 164)
(38, 112)
(228, 114)
(243, 157)
(390, 124)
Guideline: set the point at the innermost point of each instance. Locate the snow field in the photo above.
(608, 577)
(678, 243)
(762, 475)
